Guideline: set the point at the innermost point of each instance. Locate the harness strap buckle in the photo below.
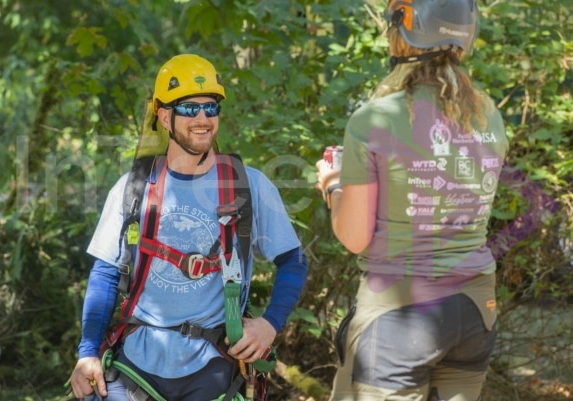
(189, 330)
(192, 265)
(229, 209)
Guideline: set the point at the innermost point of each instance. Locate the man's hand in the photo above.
(258, 335)
(88, 370)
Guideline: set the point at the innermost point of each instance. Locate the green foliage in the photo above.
(532, 84)
(73, 81)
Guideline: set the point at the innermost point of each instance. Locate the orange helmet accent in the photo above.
(408, 11)
(426, 24)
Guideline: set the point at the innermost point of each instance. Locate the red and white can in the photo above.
(333, 156)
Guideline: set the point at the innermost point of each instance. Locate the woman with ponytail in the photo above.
(420, 168)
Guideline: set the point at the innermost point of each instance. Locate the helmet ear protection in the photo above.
(398, 17)
(400, 12)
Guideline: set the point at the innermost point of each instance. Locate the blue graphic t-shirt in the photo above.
(188, 222)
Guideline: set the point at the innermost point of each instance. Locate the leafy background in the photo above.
(73, 81)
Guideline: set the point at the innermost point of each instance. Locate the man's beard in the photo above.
(189, 143)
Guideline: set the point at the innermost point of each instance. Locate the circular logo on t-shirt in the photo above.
(489, 182)
(186, 233)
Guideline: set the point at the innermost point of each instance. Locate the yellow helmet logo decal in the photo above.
(200, 80)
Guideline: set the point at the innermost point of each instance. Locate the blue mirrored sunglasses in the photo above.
(192, 109)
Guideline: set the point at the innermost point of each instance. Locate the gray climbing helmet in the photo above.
(426, 24)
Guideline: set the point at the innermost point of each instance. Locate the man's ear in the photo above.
(164, 117)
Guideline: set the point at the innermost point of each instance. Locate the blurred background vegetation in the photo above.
(74, 77)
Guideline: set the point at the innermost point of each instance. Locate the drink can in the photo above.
(333, 156)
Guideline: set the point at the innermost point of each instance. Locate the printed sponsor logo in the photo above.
(462, 199)
(439, 182)
(420, 211)
(429, 165)
(440, 136)
(461, 221)
(416, 199)
(456, 210)
(486, 198)
(463, 138)
(489, 182)
(484, 137)
(455, 185)
(444, 30)
(465, 167)
(419, 182)
(484, 209)
(490, 163)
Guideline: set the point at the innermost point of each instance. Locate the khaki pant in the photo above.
(409, 335)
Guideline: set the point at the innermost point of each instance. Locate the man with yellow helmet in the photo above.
(183, 75)
(177, 311)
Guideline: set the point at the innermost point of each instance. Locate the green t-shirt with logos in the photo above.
(436, 184)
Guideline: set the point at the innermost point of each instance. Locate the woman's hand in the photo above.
(325, 177)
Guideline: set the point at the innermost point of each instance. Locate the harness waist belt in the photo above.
(215, 335)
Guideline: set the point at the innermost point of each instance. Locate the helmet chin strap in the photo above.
(394, 61)
(186, 149)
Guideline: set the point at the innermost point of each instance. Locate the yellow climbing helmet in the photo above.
(183, 76)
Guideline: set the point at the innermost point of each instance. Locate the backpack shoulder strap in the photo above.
(235, 215)
(133, 194)
(244, 204)
(132, 199)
